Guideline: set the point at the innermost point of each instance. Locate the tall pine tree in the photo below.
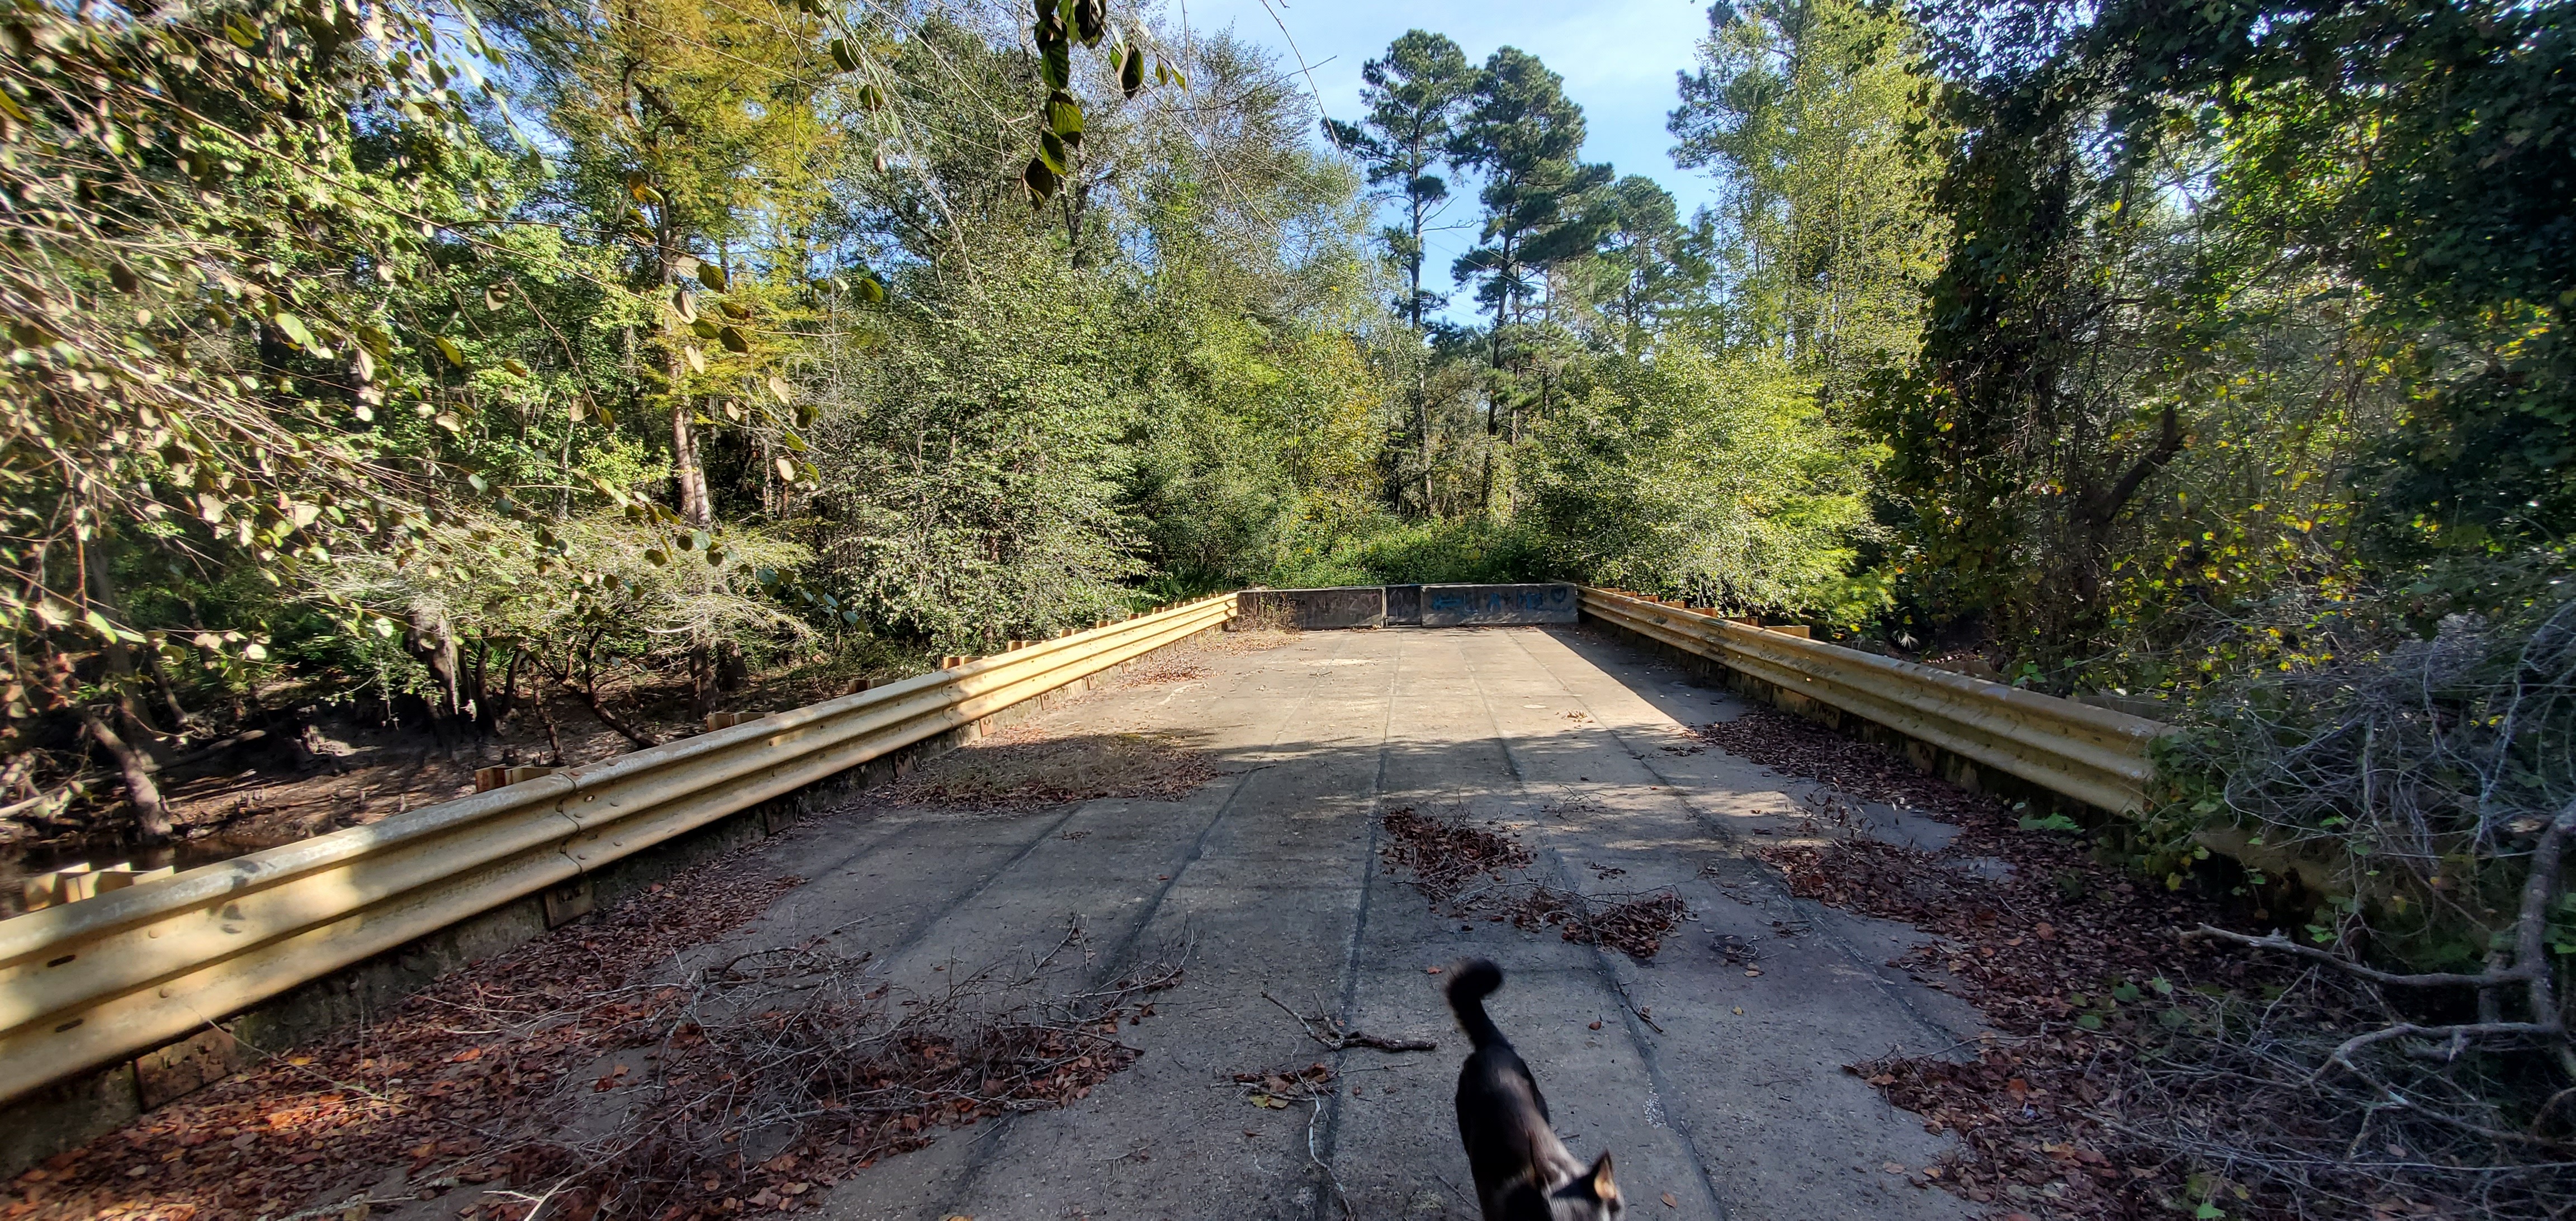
(1540, 210)
(1416, 96)
(1523, 134)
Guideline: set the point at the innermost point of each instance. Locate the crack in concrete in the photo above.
(1605, 969)
(1121, 955)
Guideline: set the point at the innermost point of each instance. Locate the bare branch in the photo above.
(1328, 1031)
(2275, 941)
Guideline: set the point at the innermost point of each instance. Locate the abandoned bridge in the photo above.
(1245, 951)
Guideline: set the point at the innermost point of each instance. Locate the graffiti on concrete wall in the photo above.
(1466, 605)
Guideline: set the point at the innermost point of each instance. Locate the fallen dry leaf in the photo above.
(1670, 1202)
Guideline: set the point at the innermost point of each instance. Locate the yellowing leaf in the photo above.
(294, 329)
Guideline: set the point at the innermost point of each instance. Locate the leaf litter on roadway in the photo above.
(595, 1073)
(2132, 1073)
(1466, 869)
(1023, 767)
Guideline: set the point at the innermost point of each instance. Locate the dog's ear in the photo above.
(1602, 1188)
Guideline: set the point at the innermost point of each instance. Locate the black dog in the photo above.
(1523, 1172)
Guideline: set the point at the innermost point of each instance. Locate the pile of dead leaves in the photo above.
(1467, 869)
(1021, 768)
(1633, 926)
(1446, 855)
(794, 1047)
(2132, 1073)
(1162, 670)
(425, 1087)
(2025, 1118)
(2047, 945)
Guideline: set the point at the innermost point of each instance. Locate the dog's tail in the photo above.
(1470, 982)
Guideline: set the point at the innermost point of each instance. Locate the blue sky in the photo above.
(1617, 57)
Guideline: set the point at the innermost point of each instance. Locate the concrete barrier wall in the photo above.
(1348, 606)
(1316, 609)
(1479, 605)
(1404, 604)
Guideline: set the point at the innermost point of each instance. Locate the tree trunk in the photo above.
(702, 685)
(431, 644)
(685, 467)
(169, 695)
(152, 823)
(120, 664)
(686, 470)
(1422, 415)
(554, 739)
(599, 707)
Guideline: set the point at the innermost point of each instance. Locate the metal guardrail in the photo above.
(91, 983)
(2094, 755)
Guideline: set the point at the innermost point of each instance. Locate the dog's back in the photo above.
(1523, 1172)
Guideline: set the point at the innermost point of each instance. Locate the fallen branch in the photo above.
(1328, 1031)
(2531, 967)
(2440, 979)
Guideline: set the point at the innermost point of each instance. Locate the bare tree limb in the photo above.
(1328, 1032)
(2443, 979)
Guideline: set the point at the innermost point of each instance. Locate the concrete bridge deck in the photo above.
(1271, 874)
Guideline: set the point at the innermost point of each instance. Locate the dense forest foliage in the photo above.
(2207, 362)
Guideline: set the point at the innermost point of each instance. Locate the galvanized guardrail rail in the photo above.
(2094, 755)
(91, 983)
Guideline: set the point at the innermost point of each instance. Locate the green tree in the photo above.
(1416, 95)
(1717, 478)
(224, 221)
(1650, 264)
(1523, 134)
(1541, 209)
(653, 100)
(1804, 111)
